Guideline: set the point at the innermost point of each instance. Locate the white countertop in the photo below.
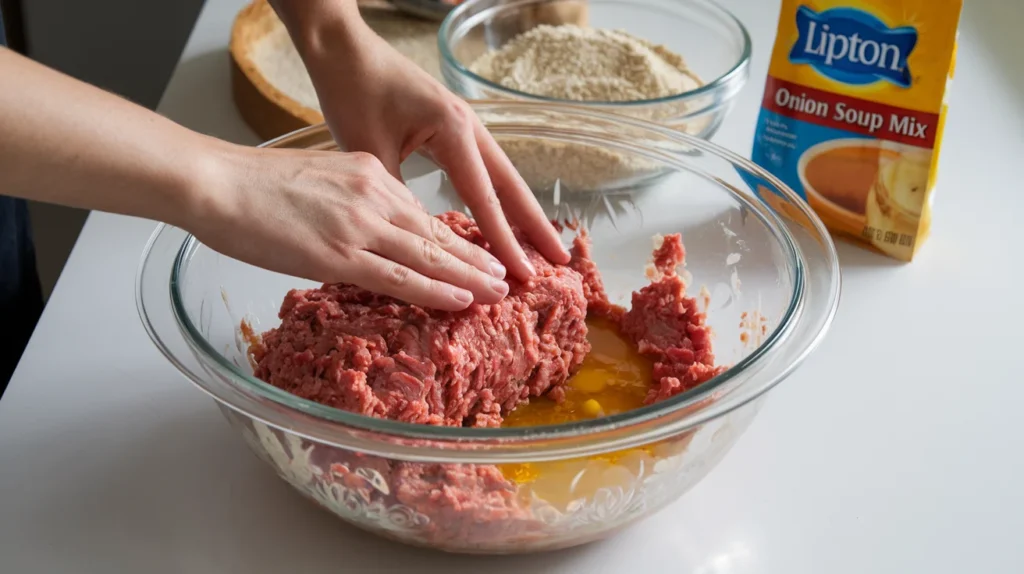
(893, 449)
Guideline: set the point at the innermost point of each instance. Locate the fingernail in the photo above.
(500, 287)
(497, 269)
(461, 295)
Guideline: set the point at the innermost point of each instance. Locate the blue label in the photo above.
(852, 46)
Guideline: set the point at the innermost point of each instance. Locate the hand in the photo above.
(376, 100)
(339, 217)
(325, 216)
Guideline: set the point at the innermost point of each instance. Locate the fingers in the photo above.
(431, 260)
(434, 230)
(399, 230)
(517, 199)
(381, 275)
(457, 152)
(408, 214)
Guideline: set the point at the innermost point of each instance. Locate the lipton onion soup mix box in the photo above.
(853, 111)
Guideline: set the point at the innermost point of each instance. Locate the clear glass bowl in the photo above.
(772, 285)
(713, 42)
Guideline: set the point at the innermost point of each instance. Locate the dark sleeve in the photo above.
(21, 300)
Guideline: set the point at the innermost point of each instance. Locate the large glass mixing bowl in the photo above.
(760, 261)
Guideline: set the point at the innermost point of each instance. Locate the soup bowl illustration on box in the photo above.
(837, 176)
(858, 185)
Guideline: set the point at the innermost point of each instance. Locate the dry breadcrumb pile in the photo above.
(586, 64)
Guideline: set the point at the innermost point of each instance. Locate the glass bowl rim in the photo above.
(444, 440)
(734, 73)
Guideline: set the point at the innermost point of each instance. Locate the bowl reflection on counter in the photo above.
(547, 487)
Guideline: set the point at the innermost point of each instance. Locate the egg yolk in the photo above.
(613, 378)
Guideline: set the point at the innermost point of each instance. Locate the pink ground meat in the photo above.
(345, 347)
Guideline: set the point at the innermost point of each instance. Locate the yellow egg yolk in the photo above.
(613, 378)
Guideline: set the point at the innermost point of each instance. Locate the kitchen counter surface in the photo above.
(892, 450)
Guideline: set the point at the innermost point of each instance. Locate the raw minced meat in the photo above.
(345, 347)
(667, 326)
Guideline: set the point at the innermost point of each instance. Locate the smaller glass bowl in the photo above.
(711, 40)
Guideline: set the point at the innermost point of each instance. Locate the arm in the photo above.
(332, 217)
(322, 27)
(66, 142)
(377, 101)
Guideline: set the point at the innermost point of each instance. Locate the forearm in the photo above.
(63, 141)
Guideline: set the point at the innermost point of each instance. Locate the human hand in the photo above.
(339, 217)
(326, 216)
(376, 100)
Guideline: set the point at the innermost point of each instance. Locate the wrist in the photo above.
(322, 28)
(206, 192)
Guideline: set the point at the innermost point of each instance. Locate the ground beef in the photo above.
(466, 505)
(345, 347)
(342, 346)
(472, 504)
(598, 304)
(665, 324)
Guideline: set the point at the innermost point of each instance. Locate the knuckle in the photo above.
(434, 286)
(345, 251)
(363, 185)
(441, 233)
(355, 219)
(397, 275)
(432, 253)
(458, 112)
(469, 274)
(365, 160)
(483, 199)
